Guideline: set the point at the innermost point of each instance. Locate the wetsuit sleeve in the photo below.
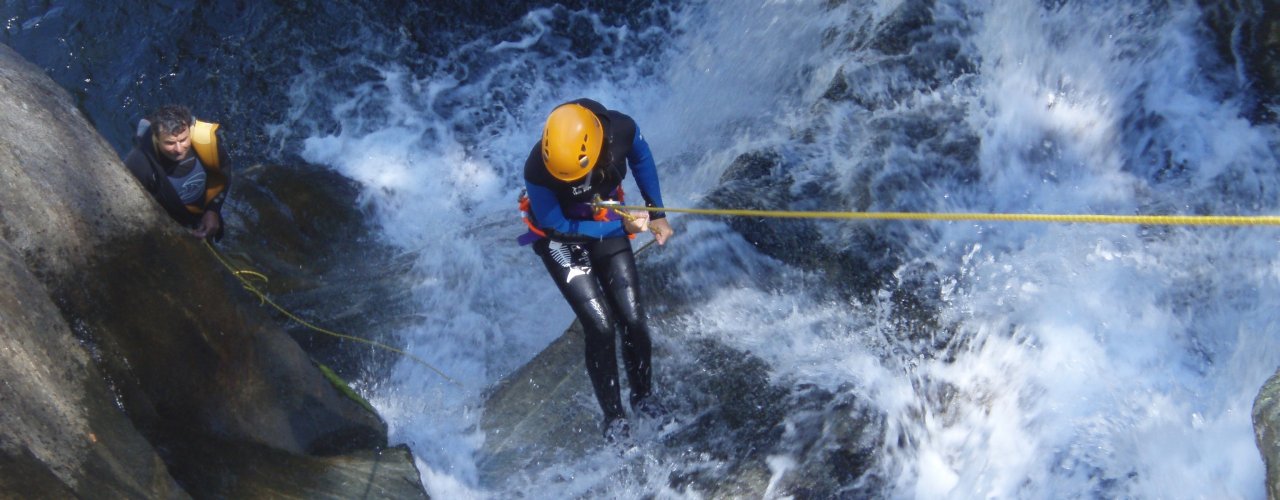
(550, 218)
(141, 169)
(646, 171)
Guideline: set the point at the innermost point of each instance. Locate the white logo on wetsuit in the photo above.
(190, 185)
(571, 256)
(192, 188)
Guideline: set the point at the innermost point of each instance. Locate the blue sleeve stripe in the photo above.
(646, 171)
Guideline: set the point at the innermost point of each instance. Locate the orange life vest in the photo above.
(205, 143)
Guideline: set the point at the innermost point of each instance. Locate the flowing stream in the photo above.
(1069, 360)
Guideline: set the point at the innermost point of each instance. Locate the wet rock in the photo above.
(737, 416)
(731, 414)
(904, 28)
(61, 434)
(235, 469)
(833, 440)
(905, 53)
(1246, 34)
(305, 228)
(543, 414)
(60, 429)
(759, 181)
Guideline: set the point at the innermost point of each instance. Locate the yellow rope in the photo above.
(1183, 220)
(1187, 220)
(262, 297)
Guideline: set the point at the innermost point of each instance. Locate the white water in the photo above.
(1088, 360)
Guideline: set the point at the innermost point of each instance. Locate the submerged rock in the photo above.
(125, 343)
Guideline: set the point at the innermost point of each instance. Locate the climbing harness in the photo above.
(243, 275)
(603, 204)
(598, 210)
(1167, 220)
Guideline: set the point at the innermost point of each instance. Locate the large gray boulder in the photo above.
(60, 432)
(133, 365)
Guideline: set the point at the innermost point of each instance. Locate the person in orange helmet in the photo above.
(583, 156)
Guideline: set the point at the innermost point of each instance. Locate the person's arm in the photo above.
(141, 169)
(550, 218)
(646, 171)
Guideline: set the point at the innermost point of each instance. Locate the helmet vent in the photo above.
(567, 126)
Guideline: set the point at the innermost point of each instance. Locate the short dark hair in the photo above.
(170, 119)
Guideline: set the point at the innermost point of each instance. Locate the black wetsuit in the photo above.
(592, 262)
(154, 170)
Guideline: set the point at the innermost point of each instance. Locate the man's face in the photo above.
(175, 146)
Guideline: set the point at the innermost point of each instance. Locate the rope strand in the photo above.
(1167, 220)
(263, 299)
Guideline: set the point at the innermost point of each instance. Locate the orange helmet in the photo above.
(571, 142)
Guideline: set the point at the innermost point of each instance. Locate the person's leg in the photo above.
(571, 269)
(615, 265)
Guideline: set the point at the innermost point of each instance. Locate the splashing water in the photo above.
(1070, 360)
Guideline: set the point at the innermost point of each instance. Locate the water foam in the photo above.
(1086, 361)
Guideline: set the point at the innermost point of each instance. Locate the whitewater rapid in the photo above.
(1079, 361)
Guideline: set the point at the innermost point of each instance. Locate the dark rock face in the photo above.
(129, 353)
(187, 349)
(213, 468)
(305, 228)
(62, 430)
(1247, 36)
(758, 181)
(744, 417)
